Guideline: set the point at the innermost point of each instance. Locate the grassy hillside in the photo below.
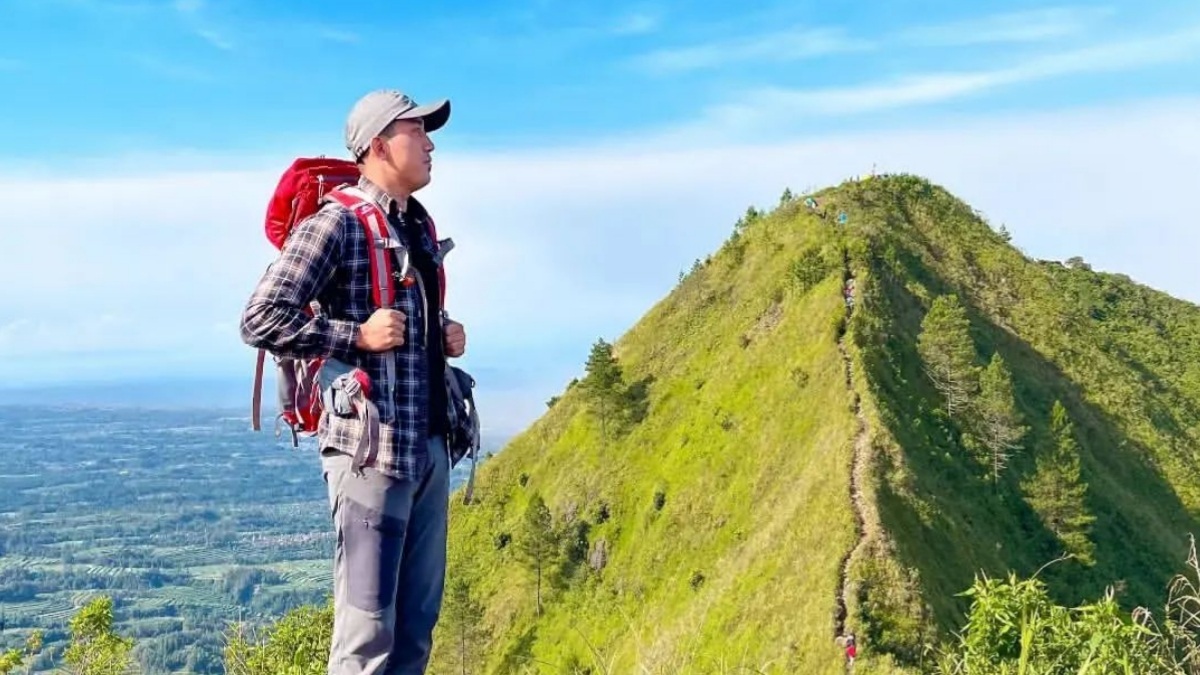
(724, 513)
(754, 468)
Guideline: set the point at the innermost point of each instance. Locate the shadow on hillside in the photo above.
(519, 654)
(947, 519)
(638, 398)
(1161, 417)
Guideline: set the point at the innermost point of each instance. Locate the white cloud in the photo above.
(193, 14)
(770, 106)
(1036, 25)
(337, 35)
(776, 47)
(558, 247)
(215, 39)
(637, 23)
(172, 69)
(801, 42)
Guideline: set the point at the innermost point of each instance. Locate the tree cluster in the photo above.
(981, 399)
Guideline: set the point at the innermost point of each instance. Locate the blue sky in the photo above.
(161, 127)
(99, 76)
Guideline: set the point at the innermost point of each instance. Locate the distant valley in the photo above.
(185, 516)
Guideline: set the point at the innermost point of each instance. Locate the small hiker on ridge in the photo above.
(391, 517)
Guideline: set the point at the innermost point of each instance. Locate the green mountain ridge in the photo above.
(759, 466)
(717, 531)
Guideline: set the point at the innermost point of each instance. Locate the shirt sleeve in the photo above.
(275, 317)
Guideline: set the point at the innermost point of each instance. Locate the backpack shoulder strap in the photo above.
(440, 246)
(374, 224)
(380, 244)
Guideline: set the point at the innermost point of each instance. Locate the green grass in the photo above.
(196, 596)
(41, 606)
(748, 434)
(306, 573)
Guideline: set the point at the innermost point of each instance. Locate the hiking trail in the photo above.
(858, 470)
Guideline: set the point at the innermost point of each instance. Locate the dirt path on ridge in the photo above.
(858, 470)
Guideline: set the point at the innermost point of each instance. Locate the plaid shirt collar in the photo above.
(396, 212)
(390, 205)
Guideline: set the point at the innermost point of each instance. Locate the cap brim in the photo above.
(435, 114)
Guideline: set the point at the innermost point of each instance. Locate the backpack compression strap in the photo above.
(256, 403)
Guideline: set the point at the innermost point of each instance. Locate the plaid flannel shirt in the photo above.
(325, 259)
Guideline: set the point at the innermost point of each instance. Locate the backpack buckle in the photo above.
(281, 421)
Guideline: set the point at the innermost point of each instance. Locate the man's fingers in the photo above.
(456, 342)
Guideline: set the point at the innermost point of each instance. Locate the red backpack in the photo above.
(301, 192)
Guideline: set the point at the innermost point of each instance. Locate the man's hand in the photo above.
(383, 331)
(455, 342)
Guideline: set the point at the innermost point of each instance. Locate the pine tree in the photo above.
(604, 386)
(537, 542)
(996, 418)
(809, 269)
(946, 348)
(464, 619)
(1057, 491)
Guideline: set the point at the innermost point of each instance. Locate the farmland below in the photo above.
(187, 518)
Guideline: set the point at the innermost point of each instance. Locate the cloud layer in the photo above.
(774, 108)
(558, 247)
(1028, 26)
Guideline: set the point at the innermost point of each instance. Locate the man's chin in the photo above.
(421, 181)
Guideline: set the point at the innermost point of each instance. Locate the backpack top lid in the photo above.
(299, 191)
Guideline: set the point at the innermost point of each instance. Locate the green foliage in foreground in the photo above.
(297, 644)
(95, 648)
(1016, 629)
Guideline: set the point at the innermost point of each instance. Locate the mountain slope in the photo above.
(1119, 357)
(722, 512)
(746, 443)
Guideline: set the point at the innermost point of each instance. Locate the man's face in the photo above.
(405, 149)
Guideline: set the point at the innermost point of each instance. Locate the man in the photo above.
(390, 518)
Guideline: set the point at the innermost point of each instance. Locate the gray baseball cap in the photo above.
(373, 112)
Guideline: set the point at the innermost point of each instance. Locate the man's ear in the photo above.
(379, 147)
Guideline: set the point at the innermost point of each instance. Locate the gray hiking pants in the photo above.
(389, 565)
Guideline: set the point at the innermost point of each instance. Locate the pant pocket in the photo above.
(373, 543)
